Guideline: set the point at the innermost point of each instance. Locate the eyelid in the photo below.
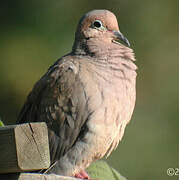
(101, 28)
(98, 22)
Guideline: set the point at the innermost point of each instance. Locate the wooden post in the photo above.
(24, 147)
(33, 176)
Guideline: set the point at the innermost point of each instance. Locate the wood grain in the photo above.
(24, 147)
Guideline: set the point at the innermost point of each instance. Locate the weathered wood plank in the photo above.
(29, 176)
(24, 147)
(34, 176)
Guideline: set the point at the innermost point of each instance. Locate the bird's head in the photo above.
(100, 24)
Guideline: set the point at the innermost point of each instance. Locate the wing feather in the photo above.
(58, 99)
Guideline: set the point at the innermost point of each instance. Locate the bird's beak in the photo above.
(119, 36)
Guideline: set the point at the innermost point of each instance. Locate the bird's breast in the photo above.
(111, 99)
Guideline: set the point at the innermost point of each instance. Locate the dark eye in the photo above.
(97, 24)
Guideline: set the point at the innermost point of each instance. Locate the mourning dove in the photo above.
(86, 97)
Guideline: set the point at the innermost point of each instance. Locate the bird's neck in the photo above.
(80, 47)
(112, 54)
(112, 60)
(96, 47)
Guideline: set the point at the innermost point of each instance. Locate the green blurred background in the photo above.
(33, 34)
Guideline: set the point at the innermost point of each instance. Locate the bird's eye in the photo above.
(97, 24)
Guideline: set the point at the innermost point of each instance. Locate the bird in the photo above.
(86, 97)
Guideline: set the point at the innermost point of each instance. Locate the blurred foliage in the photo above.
(101, 170)
(1, 123)
(34, 34)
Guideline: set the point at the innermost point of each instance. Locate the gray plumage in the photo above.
(87, 97)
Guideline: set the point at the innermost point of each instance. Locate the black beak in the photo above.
(119, 36)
